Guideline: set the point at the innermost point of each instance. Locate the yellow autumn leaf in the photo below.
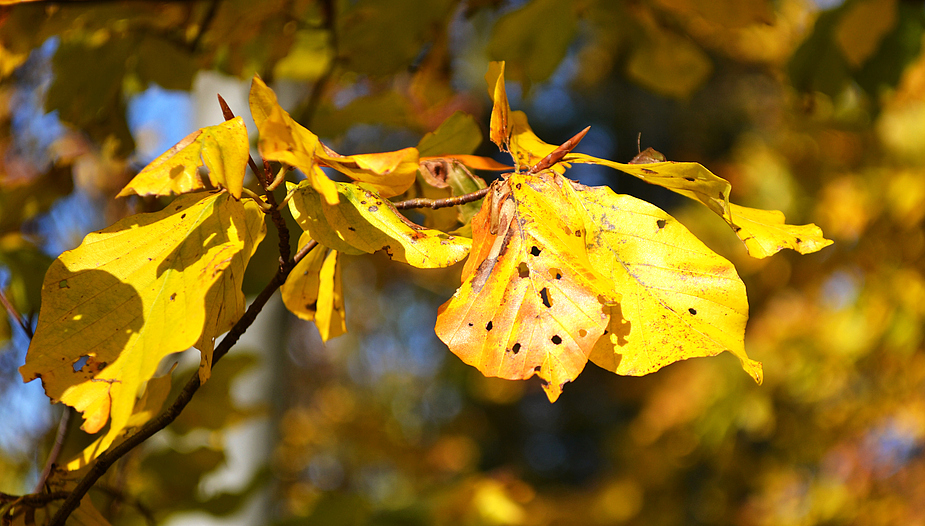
(222, 149)
(389, 173)
(364, 222)
(146, 408)
(763, 231)
(531, 300)
(283, 139)
(679, 299)
(314, 291)
(500, 124)
(129, 295)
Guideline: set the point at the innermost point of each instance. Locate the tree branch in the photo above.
(11, 310)
(55, 450)
(265, 178)
(423, 202)
(107, 459)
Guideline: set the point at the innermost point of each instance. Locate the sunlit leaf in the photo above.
(130, 295)
(390, 173)
(146, 408)
(531, 300)
(313, 291)
(364, 222)
(282, 139)
(222, 149)
(500, 124)
(763, 231)
(679, 299)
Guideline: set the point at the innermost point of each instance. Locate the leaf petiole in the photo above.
(280, 177)
(266, 207)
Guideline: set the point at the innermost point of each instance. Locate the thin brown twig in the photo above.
(204, 25)
(11, 310)
(329, 12)
(423, 202)
(265, 178)
(55, 450)
(108, 458)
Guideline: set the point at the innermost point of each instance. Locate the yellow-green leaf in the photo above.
(283, 139)
(458, 134)
(129, 295)
(765, 233)
(500, 124)
(531, 301)
(679, 298)
(313, 291)
(364, 222)
(222, 149)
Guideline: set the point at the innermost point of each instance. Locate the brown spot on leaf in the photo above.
(650, 172)
(556, 339)
(488, 326)
(661, 223)
(522, 270)
(173, 296)
(516, 348)
(582, 333)
(535, 251)
(692, 310)
(373, 208)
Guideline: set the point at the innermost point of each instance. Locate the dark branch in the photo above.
(423, 202)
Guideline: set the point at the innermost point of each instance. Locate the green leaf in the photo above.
(129, 295)
(458, 134)
(364, 222)
(517, 39)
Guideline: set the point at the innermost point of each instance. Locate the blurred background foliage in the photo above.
(813, 108)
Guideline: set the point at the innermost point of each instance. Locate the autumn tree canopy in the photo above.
(346, 164)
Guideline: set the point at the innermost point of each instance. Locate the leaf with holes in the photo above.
(129, 295)
(679, 299)
(531, 301)
(314, 291)
(763, 231)
(222, 149)
(364, 222)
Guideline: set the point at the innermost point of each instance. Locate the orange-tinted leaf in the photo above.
(531, 301)
(390, 173)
